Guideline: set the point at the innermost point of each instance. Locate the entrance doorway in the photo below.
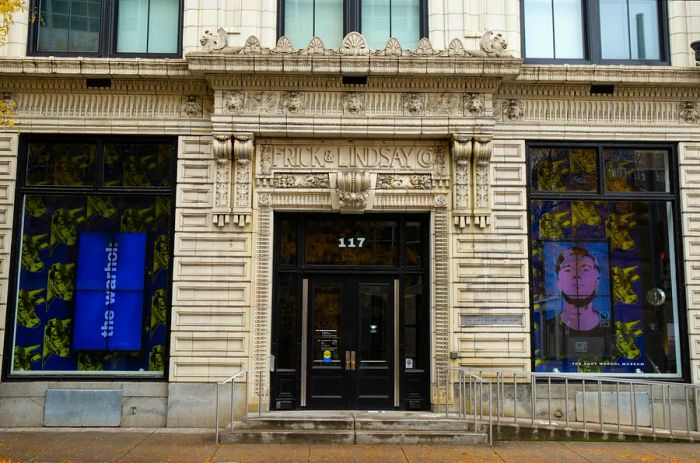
(351, 336)
(350, 322)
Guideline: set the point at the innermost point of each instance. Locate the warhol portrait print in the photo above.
(577, 283)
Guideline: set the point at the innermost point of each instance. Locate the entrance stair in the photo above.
(352, 427)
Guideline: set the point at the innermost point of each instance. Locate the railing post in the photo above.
(491, 414)
(259, 393)
(245, 395)
(233, 394)
(600, 404)
(617, 403)
(549, 399)
(670, 420)
(633, 403)
(583, 395)
(651, 406)
(515, 397)
(566, 401)
(217, 413)
(687, 410)
(533, 399)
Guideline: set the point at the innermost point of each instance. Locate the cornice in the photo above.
(94, 67)
(607, 74)
(354, 58)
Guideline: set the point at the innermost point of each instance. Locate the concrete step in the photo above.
(290, 423)
(420, 437)
(408, 424)
(276, 436)
(352, 428)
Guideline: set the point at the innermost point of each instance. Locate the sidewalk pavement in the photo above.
(194, 445)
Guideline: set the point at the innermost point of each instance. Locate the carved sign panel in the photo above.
(380, 156)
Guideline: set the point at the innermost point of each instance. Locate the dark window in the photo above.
(377, 20)
(604, 255)
(607, 31)
(92, 269)
(106, 28)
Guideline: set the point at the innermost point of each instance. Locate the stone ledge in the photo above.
(608, 74)
(94, 67)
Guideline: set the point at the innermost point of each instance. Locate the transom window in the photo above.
(377, 20)
(106, 28)
(630, 31)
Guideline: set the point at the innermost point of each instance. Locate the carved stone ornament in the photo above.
(293, 102)
(192, 106)
(404, 182)
(211, 41)
(264, 199)
(235, 101)
(352, 191)
(284, 45)
(512, 110)
(473, 104)
(316, 47)
(491, 45)
(688, 112)
(354, 45)
(353, 103)
(392, 48)
(243, 155)
(440, 201)
(266, 161)
(414, 103)
(481, 156)
(302, 181)
(444, 104)
(461, 156)
(222, 196)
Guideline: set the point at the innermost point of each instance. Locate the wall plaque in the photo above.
(486, 320)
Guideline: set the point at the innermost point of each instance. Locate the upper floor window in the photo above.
(106, 28)
(377, 20)
(629, 31)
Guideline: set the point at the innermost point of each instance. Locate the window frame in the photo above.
(352, 18)
(672, 197)
(107, 46)
(592, 42)
(97, 188)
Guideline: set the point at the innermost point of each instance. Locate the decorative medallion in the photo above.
(473, 104)
(353, 103)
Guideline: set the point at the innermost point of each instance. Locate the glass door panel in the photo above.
(326, 316)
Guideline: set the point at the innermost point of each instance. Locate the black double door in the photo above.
(349, 335)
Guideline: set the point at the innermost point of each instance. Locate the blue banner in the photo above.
(109, 291)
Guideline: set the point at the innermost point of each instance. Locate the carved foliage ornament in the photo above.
(471, 180)
(491, 45)
(243, 153)
(222, 197)
(353, 190)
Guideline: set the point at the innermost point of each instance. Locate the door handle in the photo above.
(348, 363)
(352, 360)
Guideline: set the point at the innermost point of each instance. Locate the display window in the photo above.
(92, 269)
(604, 260)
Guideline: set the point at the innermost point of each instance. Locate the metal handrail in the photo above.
(467, 383)
(242, 373)
(661, 410)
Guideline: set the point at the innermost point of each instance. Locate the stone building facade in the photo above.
(248, 162)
